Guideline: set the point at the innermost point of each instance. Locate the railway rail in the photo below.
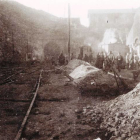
(18, 136)
(16, 97)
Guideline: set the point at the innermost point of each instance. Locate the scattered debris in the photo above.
(120, 117)
(91, 79)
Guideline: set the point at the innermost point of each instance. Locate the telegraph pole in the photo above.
(69, 48)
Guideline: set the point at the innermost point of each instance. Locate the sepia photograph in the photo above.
(69, 70)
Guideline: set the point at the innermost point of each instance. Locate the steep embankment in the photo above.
(22, 26)
(118, 118)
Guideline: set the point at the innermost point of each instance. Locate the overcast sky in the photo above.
(79, 8)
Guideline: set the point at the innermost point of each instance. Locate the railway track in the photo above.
(16, 98)
(18, 136)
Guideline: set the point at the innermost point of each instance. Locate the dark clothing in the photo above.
(101, 61)
(106, 65)
(86, 58)
(61, 59)
(131, 61)
(72, 56)
(90, 58)
(97, 61)
(111, 58)
(80, 57)
(119, 62)
(53, 61)
(136, 62)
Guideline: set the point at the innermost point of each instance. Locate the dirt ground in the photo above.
(57, 110)
(56, 114)
(16, 88)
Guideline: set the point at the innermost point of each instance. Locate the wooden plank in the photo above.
(125, 78)
(18, 136)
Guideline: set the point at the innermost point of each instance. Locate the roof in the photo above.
(111, 11)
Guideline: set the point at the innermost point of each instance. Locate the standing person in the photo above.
(61, 59)
(111, 57)
(101, 60)
(53, 61)
(110, 60)
(119, 59)
(105, 63)
(127, 60)
(86, 58)
(131, 60)
(136, 61)
(72, 56)
(97, 60)
(90, 58)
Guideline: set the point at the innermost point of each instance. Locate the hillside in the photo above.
(26, 26)
(24, 29)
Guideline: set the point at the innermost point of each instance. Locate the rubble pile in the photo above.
(75, 63)
(90, 78)
(119, 118)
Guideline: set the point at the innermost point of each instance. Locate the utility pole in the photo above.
(27, 50)
(69, 48)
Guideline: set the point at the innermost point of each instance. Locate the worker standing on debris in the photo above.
(61, 59)
(119, 59)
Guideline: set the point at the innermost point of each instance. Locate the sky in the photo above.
(79, 8)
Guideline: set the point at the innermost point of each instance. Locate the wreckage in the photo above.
(89, 78)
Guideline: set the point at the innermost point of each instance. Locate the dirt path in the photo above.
(57, 112)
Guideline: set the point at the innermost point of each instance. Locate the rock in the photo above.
(113, 138)
(82, 130)
(97, 139)
(24, 139)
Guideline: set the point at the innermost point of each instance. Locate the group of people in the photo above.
(107, 61)
(132, 61)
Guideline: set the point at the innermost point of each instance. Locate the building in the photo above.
(133, 39)
(116, 22)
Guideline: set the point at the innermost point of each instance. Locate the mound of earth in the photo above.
(75, 63)
(119, 118)
(90, 78)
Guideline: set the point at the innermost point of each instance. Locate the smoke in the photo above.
(110, 36)
(135, 29)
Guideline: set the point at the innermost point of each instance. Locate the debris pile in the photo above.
(90, 78)
(119, 118)
(75, 63)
